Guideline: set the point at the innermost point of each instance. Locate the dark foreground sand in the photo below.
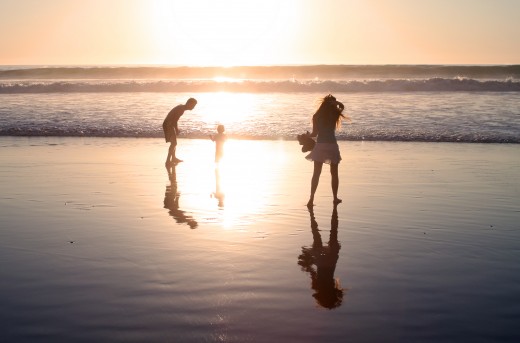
(99, 243)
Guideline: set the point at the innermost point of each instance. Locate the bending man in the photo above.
(171, 129)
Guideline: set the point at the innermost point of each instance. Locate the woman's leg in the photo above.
(314, 181)
(334, 182)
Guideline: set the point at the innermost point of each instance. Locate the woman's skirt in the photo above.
(325, 153)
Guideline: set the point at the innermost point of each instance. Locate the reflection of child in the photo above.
(219, 140)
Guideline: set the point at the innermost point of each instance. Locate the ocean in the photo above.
(426, 103)
(99, 242)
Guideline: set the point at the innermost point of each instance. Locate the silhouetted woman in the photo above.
(324, 123)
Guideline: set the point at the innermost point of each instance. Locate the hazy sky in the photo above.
(246, 32)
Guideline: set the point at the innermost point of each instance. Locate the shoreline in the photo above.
(252, 138)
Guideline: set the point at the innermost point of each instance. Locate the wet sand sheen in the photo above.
(100, 242)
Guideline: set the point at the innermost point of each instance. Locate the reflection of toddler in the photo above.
(219, 140)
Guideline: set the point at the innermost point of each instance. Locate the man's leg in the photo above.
(174, 148)
(171, 154)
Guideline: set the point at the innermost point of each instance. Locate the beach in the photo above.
(100, 242)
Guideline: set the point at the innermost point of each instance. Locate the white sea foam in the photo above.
(456, 84)
(393, 116)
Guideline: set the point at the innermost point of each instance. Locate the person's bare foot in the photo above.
(337, 201)
(176, 160)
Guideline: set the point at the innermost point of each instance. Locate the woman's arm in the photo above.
(314, 132)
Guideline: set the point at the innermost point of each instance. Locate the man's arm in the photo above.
(175, 114)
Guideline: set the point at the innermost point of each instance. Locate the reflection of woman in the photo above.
(324, 123)
(328, 292)
(171, 200)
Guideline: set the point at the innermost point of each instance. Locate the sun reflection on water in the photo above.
(244, 181)
(234, 194)
(228, 108)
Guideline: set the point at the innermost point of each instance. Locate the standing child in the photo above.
(219, 140)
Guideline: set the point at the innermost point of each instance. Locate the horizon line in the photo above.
(159, 65)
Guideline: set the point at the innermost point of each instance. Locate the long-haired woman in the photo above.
(324, 123)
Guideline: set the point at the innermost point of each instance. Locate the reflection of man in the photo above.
(171, 201)
(171, 129)
(328, 292)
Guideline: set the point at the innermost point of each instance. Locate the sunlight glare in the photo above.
(225, 33)
(244, 179)
(227, 108)
(222, 79)
(231, 194)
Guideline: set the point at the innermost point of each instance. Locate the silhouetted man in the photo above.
(171, 129)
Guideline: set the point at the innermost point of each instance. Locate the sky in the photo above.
(258, 32)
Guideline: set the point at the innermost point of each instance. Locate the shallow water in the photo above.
(95, 246)
(395, 116)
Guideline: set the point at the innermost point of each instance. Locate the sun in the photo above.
(224, 32)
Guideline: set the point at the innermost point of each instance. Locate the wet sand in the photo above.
(100, 242)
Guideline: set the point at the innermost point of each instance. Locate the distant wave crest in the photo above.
(305, 72)
(388, 85)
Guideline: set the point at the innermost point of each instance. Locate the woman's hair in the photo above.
(331, 108)
(220, 128)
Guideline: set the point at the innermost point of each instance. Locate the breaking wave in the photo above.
(436, 84)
